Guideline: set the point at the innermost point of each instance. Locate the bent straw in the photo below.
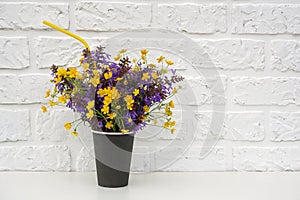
(68, 33)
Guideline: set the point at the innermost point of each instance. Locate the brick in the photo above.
(285, 91)
(14, 53)
(23, 89)
(205, 129)
(285, 126)
(266, 18)
(234, 126)
(192, 18)
(60, 51)
(25, 15)
(140, 161)
(192, 161)
(50, 125)
(250, 91)
(285, 55)
(235, 54)
(266, 158)
(85, 162)
(105, 16)
(35, 158)
(265, 90)
(245, 126)
(14, 125)
(203, 90)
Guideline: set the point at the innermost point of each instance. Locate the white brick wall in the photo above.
(14, 52)
(253, 45)
(266, 18)
(24, 15)
(192, 18)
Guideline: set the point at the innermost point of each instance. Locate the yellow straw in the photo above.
(68, 33)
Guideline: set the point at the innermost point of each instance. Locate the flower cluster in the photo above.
(116, 95)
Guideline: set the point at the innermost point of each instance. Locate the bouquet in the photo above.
(119, 95)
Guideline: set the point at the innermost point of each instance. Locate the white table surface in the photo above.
(200, 186)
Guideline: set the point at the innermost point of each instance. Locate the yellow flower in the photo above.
(105, 109)
(155, 122)
(52, 103)
(90, 105)
(146, 108)
(80, 77)
(136, 92)
(61, 72)
(90, 114)
(72, 72)
(145, 76)
(86, 66)
(168, 111)
(62, 99)
(105, 91)
(101, 92)
(171, 103)
(80, 60)
(118, 107)
(144, 57)
(128, 99)
(44, 108)
(74, 133)
(96, 73)
(154, 75)
(169, 62)
(57, 80)
(125, 82)
(95, 81)
(115, 93)
(144, 51)
(129, 120)
(173, 130)
(134, 60)
(111, 115)
(109, 125)
(123, 51)
(160, 59)
(166, 124)
(173, 123)
(107, 100)
(47, 93)
(119, 78)
(124, 131)
(117, 57)
(107, 75)
(136, 68)
(68, 126)
(174, 91)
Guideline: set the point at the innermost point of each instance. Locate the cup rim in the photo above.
(111, 133)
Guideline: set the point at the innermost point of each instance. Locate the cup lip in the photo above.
(111, 133)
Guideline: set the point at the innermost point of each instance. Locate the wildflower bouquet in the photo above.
(116, 95)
